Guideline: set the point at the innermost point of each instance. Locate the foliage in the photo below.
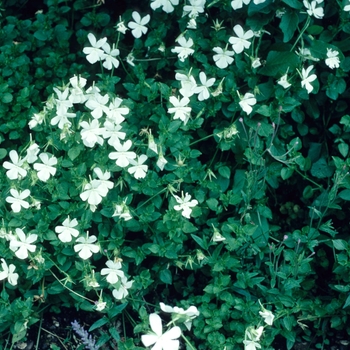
(193, 154)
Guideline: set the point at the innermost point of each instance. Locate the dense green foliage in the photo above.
(261, 155)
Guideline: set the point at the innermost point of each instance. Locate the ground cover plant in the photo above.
(177, 171)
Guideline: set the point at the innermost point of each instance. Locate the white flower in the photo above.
(188, 84)
(267, 315)
(94, 53)
(181, 110)
(36, 119)
(103, 178)
(203, 90)
(61, 118)
(346, 8)
(161, 341)
(223, 57)
(63, 103)
(166, 5)
(184, 50)
(251, 345)
(17, 200)
(138, 27)
(195, 7)
(161, 162)
(283, 81)
(115, 112)
(22, 245)
(130, 59)
(112, 132)
(120, 27)
(332, 60)
(100, 305)
(180, 314)
(240, 42)
(122, 291)
(192, 24)
(122, 211)
(185, 204)
(15, 170)
(312, 10)
(86, 246)
(98, 105)
(8, 272)
(110, 58)
(138, 169)
(76, 92)
(122, 155)
(114, 271)
(90, 134)
(256, 62)
(237, 4)
(247, 101)
(93, 192)
(32, 153)
(46, 169)
(306, 79)
(67, 230)
(217, 236)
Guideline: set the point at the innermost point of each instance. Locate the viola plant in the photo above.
(195, 154)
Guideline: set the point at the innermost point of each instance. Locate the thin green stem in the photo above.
(39, 332)
(306, 25)
(202, 139)
(187, 342)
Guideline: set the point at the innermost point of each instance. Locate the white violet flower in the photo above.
(122, 291)
(139, 170)
(181, 110)
(202, 90)
(22, 244)
(306, 79)
(223, 57)
(185, 204)
(114, 272)
(94, 53)
(8, 272)
(17, 200)
(67, 230)
(123, 155)
(240, 42)
(15, 170)
(46, 168)
(332, 60)
(283, 81)
(138, 26)
(86, 247)
(184, 50)
(247, 101)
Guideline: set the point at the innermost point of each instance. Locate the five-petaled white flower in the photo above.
(62, 102)
(111, 131)
(97, 103)
(267, 315)
(179, 314)
(93, 192)
(110, 57)
(184, 50)
(181, 110)
(45, 169)
(15, 170)
(90, 133)
(313, 10)
(223, 57)
(240, 42)
(86, 246)
(21, 244)
(247, 101)
(17, 200)
(103, 179)
(185, 204)
(32, 153)
(114, 272)
(122, 290)
(61, 118)
(188, 83)
(195, 7)
(67, 230)
(306, 79)
(202, 90)
(161, 341)
(138, 169)
(332, 60)
(8, 272)
(238, 4)
(94, 53)
(123, 155)
(166, 5)
(283, 81)
(115, 113)
(76, 92)
(138, 27)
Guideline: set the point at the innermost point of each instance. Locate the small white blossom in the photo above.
(90, 133)
(247, 101)
(240, 42)
(98, 105)
(62, 102)
(120, 27)
(22, 244)
(188, 84)
(161, 162)
(166, 5)
(223, 57)
(46, 168)
(116, 113)
(123, 155)
(61, 118)
(306, 79)
(238, 4)
(139, 170)
(67, 230)
(161, 341)
(8, 272)
(184, 50)
(202, 90)
(181, 110)
(32, 153)
(110, 58)
(76, 92)
(94, 192)
(138, 26)
(122, 291)
(256, 62)
(15, 170)
(114, 272)
(195, 8)
(94, 53)
(313, 10)
(103, 179)
(122, 211)
(332, 60)
(267, 315)
(185, 204)
(283, 81)
(112, 132)
(86, 247)
(17, 200)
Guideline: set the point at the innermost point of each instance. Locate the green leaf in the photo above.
(286, 173)
(3, 153)
(202, 243)
(321, 169)
(116, 310)
(288, 25)
(295, 4)
(343, 149)
(340, 244)
(99, 323)
(166, 277)
(41, 35)
(347, 302)
(345, 194)
(6, 97)
(225, 172)
(278, 62)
